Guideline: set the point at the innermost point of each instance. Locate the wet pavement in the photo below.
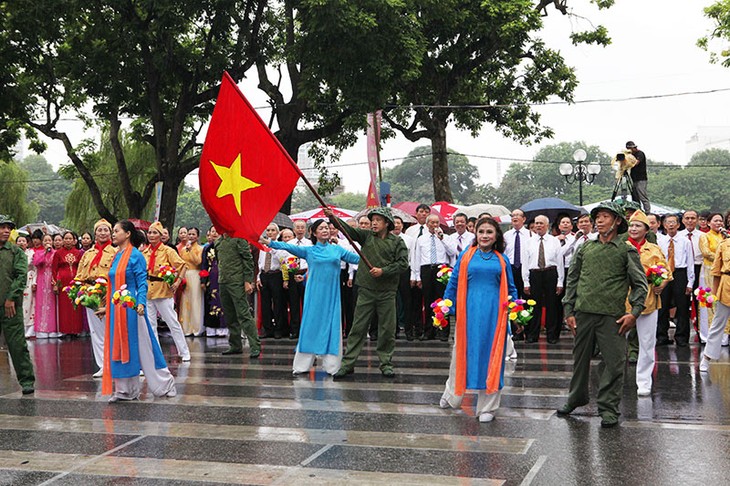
(241, 421)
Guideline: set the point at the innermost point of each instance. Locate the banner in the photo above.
(373, 137)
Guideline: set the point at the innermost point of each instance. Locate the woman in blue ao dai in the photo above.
(321, 327)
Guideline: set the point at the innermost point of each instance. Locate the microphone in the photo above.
(724, 233)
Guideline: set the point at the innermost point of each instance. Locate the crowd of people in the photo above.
(376, 278)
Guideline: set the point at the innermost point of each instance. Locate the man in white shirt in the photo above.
(271, 285)
(678, 251)
(460, 240)
(418, 229)
(404, 306)
(542, 274)
(296, 288)
(430, 252)
(693, 234)
(517, 239)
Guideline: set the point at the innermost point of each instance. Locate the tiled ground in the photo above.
(239, 422)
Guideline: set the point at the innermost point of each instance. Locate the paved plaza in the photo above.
(241, 421)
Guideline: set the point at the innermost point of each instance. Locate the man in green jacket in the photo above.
(13, 274)
(601, 275)
(235, 280)
(377, 288)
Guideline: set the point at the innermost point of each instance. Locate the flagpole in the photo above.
(335, 221)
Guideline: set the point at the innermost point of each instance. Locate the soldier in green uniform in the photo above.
(235, 280)
(13, 272)
(377, 288)
(601, 274)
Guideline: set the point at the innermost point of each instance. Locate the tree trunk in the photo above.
(291, 145)
(168, 205)
(441, 186)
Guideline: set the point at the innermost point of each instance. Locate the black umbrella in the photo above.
(283, 221)
(551, 207)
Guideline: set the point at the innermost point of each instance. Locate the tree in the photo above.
(158, 63)
(412, 180)
(341, 60)
(486, 57)
(81, 213)
(190, 211)
(50, 191)
(14, 196)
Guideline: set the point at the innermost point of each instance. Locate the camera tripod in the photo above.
(624, 180)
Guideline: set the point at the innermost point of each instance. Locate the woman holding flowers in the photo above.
(165, 271)
(65, 265)
(479, 288)
(321, 326)
(658, 275)
(130, 345)
(708, 246)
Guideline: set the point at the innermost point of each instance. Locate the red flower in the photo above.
(204, 273)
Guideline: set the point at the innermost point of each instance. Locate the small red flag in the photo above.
(245, 174)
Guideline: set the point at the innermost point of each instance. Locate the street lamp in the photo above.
(579, 172)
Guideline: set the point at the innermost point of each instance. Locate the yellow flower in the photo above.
(512, 316)
(512, 305)
(448, 302)
(531, 302)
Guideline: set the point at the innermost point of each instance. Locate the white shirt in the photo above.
(567, 254)
(696, 235)
(422, 255)
(509, 244)
(409, 241)
(276, 257)
(661, 237)
(553, 257)
(303, 242)
(452, 244)
(352, 267)
(682, 255)
(413, 231)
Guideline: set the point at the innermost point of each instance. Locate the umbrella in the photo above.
(283, 221)
(47, 228)
(140, 224)
(407, 218)
(318, 213)
(447, 211)
(410, 208)
(475, 210)
(550, 207)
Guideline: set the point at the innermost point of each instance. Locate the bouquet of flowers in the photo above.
(291, 264)
(444, 273)
(657, 274)
(123, 297)
(168, 274)
(73, 292)
(441, 309)
(705, 296)
(519, 310)
(92, 296)
(204, 274)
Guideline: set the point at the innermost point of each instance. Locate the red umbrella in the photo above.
(140, 224)
(446, 210)
(410, 208)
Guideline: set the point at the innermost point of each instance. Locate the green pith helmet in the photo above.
(625, 205)
(7, 220)
(614, 208)
(385, 213)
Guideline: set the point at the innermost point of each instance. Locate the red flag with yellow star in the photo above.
(245, 174)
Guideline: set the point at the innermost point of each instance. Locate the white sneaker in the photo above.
(171, 393)
(486, 417)
(724, 341)
(186, 358)
(704, 365)
(643, 393)
(98, 374)
(443, 403)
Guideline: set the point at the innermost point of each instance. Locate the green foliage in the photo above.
(412, 180)
(14, 195)
(50, 193)
(304, 200)
(719, 13)
(190, 211)
(80, 211)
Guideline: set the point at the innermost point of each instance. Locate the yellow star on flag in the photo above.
(232, 182)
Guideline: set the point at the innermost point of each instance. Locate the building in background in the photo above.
(707, 138)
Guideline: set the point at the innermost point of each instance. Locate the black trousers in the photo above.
(415, 323)
(543, 284)
(432, 290)
(403, 306)
(674, 295)
(347, 302)
(273, 318)
(296, 300)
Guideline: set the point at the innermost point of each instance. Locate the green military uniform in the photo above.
(13, 274)
(599, 279)
(375, 296)
(235, 266)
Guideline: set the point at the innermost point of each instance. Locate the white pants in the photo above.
(330, 362)
(97, 331)
(510, 352)
(646, 330)
(166, 309)
(717, 329)
(159, 382)
(485, 403)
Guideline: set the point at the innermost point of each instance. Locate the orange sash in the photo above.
(496, 357)
(121, 335)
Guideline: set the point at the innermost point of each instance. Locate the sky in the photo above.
(653, 52)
